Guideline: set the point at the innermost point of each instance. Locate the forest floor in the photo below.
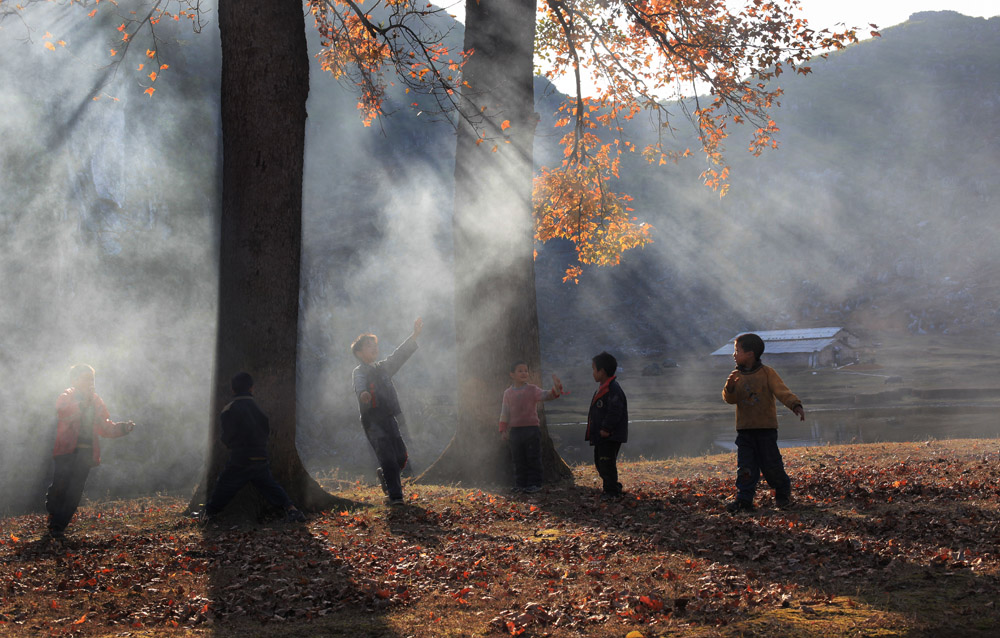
(886, 539)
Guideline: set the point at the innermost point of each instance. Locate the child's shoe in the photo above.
(784, 504)
(295, 515)
(738, 505)
(395, 502)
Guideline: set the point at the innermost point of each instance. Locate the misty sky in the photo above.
(824, 13)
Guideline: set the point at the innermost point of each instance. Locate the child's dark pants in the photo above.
(526, 452)
(68, 480)
(606, 462)
(757, 453)
(391, 453)
(237, 473)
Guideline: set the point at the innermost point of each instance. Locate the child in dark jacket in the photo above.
(245, 431)
(83, 419)
(607, 423)
(379, 405)
(753, 387)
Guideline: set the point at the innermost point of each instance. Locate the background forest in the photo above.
(878, 213)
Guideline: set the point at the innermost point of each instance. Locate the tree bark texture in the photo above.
(265, 83)
(495, 307)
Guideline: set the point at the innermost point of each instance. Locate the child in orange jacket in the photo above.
(83, 419)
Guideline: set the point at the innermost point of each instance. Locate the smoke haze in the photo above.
(877, 213)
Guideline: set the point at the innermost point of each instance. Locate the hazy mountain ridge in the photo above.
(877, 212)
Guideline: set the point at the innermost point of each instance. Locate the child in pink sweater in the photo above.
(519, 425)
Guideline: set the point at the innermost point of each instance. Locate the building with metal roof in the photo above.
(812, 347)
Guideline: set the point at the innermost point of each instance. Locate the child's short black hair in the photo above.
(518, 362)
(360, 342)
(751, 342)
(606, 362)
(241, 383)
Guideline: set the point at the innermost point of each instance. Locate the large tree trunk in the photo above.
(495, 307)
(265, 83)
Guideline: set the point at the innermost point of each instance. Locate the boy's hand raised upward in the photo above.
(557, 386)
(418, 325)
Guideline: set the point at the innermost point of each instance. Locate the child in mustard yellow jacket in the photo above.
(753, 387)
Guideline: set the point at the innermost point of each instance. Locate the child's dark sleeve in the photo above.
(616, 416)
(229, 427)
(360, 380)
(395, 361)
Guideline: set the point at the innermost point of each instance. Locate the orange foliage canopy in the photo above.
(651, 56)
(645, 56)
(654, 57)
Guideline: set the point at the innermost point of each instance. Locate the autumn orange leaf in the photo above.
(80, 620)
(505, 125)
(152, 76)
(149, 91)
(50, 46)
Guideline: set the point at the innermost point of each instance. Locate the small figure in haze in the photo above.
(83, 419)
(379, 405)
(607, 423)
(245, 431)
(519, 426)
(753, 387)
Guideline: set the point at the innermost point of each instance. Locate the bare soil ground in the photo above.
(886, 540)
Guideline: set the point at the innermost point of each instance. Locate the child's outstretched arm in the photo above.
(786, 396)
(395, 361)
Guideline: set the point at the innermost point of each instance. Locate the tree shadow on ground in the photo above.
(288, 579)
(837, 552)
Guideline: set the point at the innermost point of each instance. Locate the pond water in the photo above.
(666, 438)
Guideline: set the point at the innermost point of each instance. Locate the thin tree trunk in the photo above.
(265, 83)
(495, 308)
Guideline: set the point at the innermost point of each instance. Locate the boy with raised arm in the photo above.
(379, 405)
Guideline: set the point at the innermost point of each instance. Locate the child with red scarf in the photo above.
(607, 423)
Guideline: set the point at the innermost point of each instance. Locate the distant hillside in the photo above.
(879, 211)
